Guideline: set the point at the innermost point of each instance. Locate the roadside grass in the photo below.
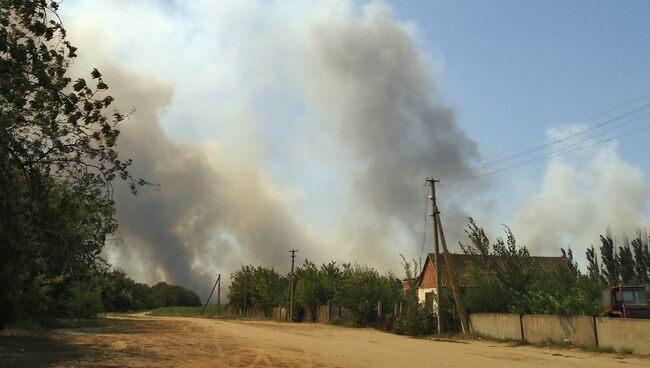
(211, 311)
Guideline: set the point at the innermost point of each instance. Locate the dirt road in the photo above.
(144, 341)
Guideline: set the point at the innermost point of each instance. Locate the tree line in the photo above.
(357, 288)
(503, 275)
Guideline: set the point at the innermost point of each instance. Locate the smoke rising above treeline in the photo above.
(275, 127)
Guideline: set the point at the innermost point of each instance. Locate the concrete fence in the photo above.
(497, 325)
(624, 333)
(603, 332)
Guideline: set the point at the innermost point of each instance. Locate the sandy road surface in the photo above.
(192, 342)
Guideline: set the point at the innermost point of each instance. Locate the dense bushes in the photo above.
(257, 287)
(120, 293)
(357, 288)
(506, 278)
(416, 318)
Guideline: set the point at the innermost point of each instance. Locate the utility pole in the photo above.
(219, 293)
(293, 257)
(436, 255)
(450, 268)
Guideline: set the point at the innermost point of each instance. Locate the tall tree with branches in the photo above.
(58, 160)
(609, 258)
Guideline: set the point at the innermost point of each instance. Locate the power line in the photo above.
(565, 138)
(550, 155)
(559, 152)
(377, 221)
(618, 107)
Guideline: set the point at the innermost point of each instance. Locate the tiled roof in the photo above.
(462, 263)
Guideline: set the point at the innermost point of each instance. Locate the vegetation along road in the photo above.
(146, 341)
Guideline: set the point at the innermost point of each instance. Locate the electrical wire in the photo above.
(550, 155)
(377, 221)
(539, 139)
(565, 138)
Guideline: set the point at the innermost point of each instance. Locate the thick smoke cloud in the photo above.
(370, 80)
(277, 126)
(212, 212)
(360, 79)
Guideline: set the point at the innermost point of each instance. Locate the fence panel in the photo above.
(578, 330)
(624, 333)
(497, 325)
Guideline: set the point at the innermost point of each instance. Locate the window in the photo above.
(633, 296)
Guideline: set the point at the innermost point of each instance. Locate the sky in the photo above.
(312, 125)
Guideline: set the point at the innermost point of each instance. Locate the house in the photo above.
(426, 281)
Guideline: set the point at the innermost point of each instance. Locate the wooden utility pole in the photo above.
(210, 296)
(450, 267)
(293, 257)
(436, 255)
(219, 294)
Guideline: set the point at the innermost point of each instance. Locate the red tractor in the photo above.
(625, 302)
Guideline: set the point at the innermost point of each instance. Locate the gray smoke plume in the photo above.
(212, 213)
(363, 80)
(370, 80)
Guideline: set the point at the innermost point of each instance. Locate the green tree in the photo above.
(641, 266)
(592, 264)
(57, 161)
(361, 288)
(572, 265)
(626, 263)
(501, 273)
(315, 286)
(257, 287)
(610, 266)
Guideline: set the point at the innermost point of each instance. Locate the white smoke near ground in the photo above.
(579, 198)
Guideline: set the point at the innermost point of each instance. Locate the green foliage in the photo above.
(356, 288)
(83, 300)
(58, 161)
(630, 265)
(501, 273)
(564, 292)
(626, 263)
(593, 268)
(316, 286)
(642, 258)
(609, 259)
(416, 319)
(506, 279)
(361, 288)
(257, 287)
(120, 293)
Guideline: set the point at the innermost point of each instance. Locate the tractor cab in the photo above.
(625, 302)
